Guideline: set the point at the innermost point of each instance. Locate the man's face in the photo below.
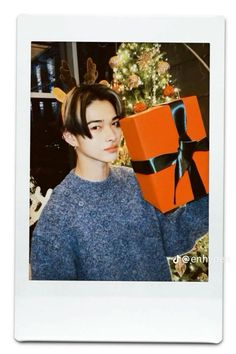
(105, 130)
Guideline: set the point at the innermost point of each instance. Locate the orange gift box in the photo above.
(169, 152)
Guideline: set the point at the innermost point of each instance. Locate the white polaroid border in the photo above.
(119, 311)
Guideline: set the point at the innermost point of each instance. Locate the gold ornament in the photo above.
(114, 62)
(144, 59)
(162, 67)
(134, 81)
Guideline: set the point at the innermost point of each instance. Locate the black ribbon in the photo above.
(182, 158)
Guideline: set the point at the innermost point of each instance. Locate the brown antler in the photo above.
(91, 76)
(65, 76)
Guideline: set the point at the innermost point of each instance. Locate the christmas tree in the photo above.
(141, 76)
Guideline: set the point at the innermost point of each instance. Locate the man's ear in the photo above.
(70, 139)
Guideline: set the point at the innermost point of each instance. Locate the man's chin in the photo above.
(111, 158)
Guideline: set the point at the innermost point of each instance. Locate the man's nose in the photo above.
(110, 134)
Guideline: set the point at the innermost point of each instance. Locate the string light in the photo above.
(151, 69)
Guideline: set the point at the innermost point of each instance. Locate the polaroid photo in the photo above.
(119, 179)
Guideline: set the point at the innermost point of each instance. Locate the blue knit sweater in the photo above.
(106, 231)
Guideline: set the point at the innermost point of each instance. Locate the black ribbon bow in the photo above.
(182, 158)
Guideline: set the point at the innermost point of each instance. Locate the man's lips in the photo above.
(111, 148)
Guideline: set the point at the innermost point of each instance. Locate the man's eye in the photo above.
(116, 123)
(95, 127)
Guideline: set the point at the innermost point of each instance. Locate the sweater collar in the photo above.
(77, 181)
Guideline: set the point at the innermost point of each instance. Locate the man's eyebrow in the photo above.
(101, 120)
(95, 121)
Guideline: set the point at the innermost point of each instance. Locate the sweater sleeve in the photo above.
(183, 227)
(52, 251)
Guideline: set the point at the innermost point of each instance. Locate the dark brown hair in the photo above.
(84, 95)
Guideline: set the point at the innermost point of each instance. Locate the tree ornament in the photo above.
(134, 81)
(162, 67)
(139, 107)
(144, 59)
(115, 61)
(168, 91)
